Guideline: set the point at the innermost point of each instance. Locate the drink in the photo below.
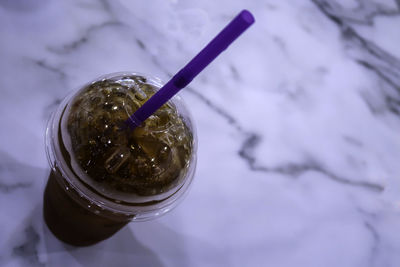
(105, 174)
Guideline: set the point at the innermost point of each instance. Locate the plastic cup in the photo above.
(82, 210)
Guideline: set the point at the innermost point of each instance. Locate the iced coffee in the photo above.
(104, 174)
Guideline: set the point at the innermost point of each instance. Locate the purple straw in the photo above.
(229, 34)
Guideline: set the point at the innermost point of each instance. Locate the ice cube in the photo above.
(117, 158)
(151, 147)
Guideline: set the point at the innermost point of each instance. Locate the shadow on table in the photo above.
(123, 249)
(32, 243)
(21, 190)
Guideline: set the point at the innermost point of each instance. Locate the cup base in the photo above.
(70, 222)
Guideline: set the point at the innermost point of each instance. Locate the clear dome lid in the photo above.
(134, 171)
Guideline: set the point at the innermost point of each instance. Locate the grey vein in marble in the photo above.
(43, 64)
(20, 173)
(251, 141)
(364, 13)
(9, 188)
(70, 47)
(28, 249)
(366, 53)
(375, 241)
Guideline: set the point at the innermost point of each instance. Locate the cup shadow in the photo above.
(32, 243)
(123, 249)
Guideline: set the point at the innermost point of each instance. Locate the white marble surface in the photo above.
(298, 125)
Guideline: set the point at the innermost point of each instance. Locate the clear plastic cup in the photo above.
(82, 210)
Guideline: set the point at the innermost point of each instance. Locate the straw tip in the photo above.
(247, 16)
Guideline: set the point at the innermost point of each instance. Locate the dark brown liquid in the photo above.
(69, 221)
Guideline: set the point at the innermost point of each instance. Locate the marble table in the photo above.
(298, 125)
